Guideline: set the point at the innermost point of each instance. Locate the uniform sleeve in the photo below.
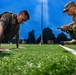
(70, 26)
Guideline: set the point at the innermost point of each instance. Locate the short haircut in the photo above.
(26, 13)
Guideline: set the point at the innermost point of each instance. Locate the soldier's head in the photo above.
(23, 16)
(70, 8)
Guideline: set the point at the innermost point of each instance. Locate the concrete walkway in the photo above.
(69, 49)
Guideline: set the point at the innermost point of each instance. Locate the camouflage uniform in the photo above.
(72, 26)
(10, 26)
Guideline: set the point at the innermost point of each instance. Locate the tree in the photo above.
(47, 35)
(39, 39)
(62, 37)
(31, 37)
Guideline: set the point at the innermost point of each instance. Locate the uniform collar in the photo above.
(74, 14)
(16, 20)
(75, 11)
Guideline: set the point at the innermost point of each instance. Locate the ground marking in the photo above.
(69, 49)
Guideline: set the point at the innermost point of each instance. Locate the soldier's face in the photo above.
(71, 11)
(22, 19)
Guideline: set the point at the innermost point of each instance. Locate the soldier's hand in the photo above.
(64, 28)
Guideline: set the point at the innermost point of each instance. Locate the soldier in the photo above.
(10, 25)
(70, 9)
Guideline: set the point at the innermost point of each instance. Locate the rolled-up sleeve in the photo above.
(70, 26)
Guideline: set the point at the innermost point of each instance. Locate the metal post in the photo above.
(42, 22)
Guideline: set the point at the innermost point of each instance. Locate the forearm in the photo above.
(17, 40)
(1, 30)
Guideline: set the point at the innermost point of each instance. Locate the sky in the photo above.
(53, 16)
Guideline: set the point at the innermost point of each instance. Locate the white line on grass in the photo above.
(69, 49)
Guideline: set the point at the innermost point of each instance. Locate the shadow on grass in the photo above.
(13, 48)
(2, 54)
(66, 51)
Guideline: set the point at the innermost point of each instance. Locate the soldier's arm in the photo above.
(72, 26)
(1, 29)
(64, 28)
(17, 40)
(68, 27)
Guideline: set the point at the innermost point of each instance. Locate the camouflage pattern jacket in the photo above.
(11, 26)
(72, 28)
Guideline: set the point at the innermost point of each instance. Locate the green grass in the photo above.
(37, 60)
(71, 46)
